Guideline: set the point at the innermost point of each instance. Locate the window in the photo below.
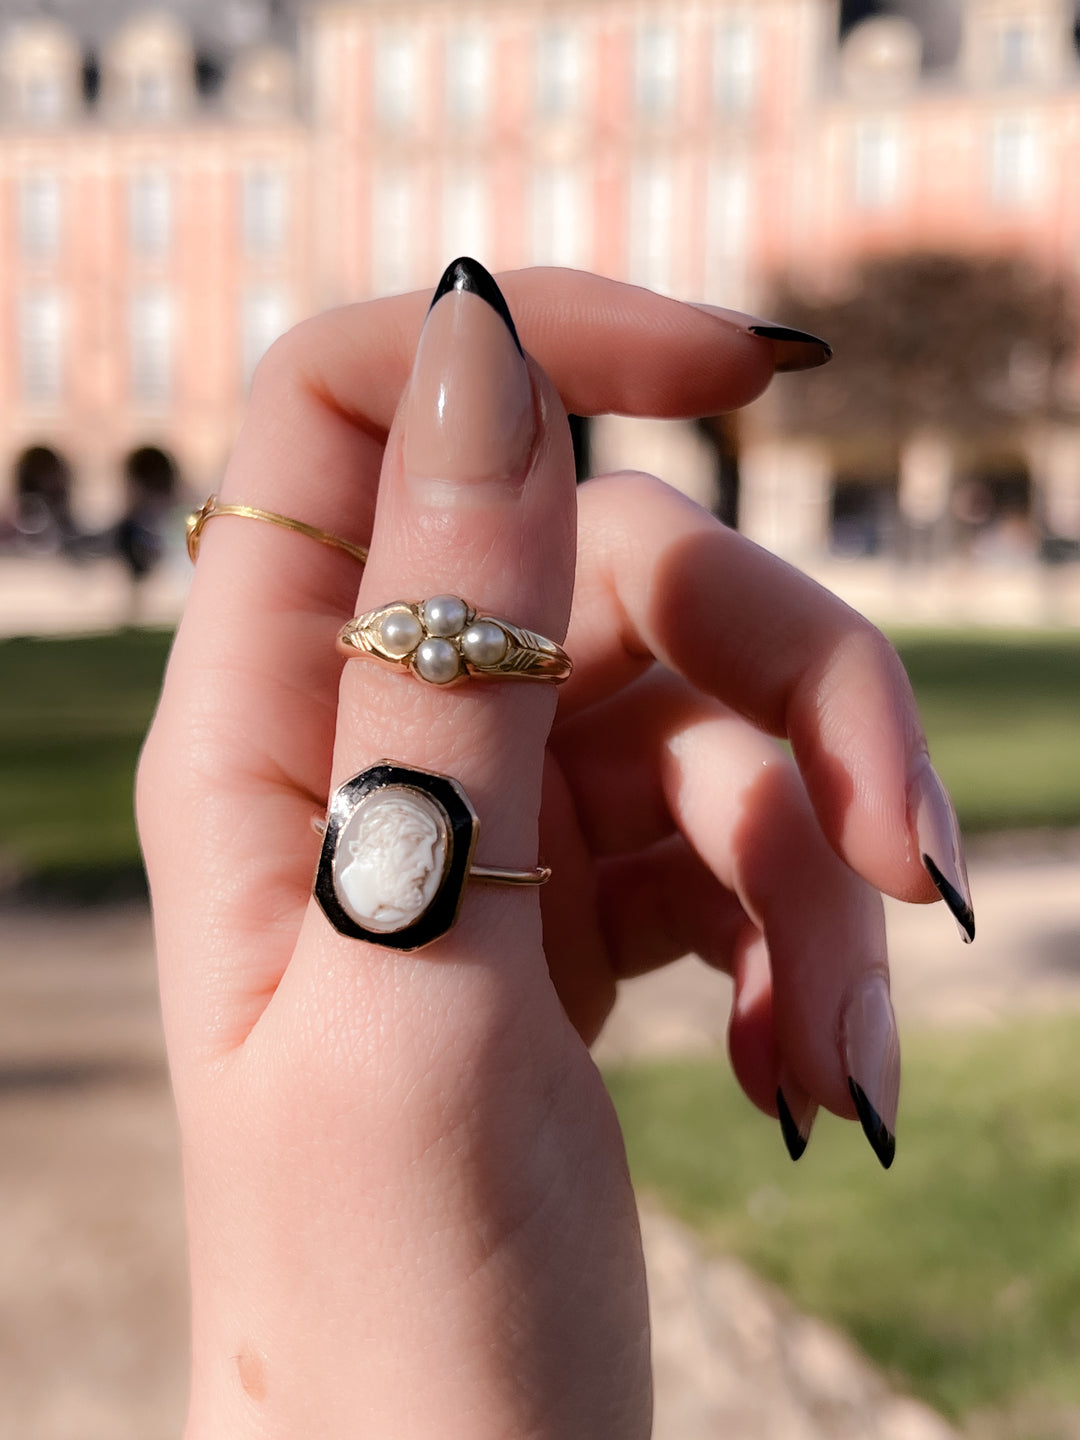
(264, 318)
(43, 98)
(395, 80)
(727, 220)
(265, 207)
(558, 72)
(559, 222)
(393, 233)
(151, 94)
(150, 212)
(656, 69)
(1015, 161)
(651, 216)
(734, 66)
(39, 215)
(1015, 52)
(151, 346)
(468, 75)
(40, 337)
(877, 164)
(465, 218)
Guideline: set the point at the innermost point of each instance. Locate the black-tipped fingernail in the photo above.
(469, 275)
(795, 349)
(882, 1140)
(796, 1132)
(961, 911)
(937, 833)
(871, 1052)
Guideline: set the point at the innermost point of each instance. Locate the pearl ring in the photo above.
(444, 640)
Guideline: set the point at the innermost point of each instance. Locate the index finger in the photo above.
(659, 578)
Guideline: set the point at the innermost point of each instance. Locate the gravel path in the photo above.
(92, 1310)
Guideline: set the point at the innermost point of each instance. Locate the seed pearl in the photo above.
(445, 615)
(400, 632)
(437, 661)
(484, 643)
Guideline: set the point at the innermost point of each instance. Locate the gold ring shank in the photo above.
(486, 874)
(197, 520)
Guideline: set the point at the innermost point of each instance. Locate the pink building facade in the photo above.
(152, 244)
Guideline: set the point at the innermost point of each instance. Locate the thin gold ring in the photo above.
(196, 523)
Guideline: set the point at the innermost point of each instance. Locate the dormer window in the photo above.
(1015, 52)
(150, 95)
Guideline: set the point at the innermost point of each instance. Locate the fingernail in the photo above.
(797, 1113)
(871, 1048)
(792, 349)
(469, 416)
(940, 846)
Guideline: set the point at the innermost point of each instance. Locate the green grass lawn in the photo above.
(1002, 712)
(958, 1270)
(72, 717)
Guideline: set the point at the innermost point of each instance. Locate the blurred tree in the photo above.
(954, 343)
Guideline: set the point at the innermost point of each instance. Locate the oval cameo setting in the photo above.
(390, 858)
(395, 856)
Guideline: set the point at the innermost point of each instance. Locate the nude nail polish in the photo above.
(871, 1050)
(792, 349)
(940, 846)
(469, 418)
(797, 1113)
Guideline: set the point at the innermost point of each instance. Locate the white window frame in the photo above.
(559, 71)
(393, 231)
(877, 163)
(40, 214)
(652, 225)
(150, 202)
(396, 79)
(264, 316)
(41, 345)
(727, 230)
(467, 75)
(656, 68)
(151, 332)
(265, 208)
(1016, 161)
(561, 223)
(735, 64)
(466, 220)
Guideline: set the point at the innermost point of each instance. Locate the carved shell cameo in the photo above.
(390, 858)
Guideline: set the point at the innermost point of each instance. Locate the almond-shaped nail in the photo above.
(469, 417)
(792, 349)
(797, 1113)
(937, 833)
(871, 1050)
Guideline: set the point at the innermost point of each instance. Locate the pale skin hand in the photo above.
(409, 1211)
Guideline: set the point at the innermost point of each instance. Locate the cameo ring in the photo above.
(444, 640)
(397, 855)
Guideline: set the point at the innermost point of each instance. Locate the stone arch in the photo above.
(994, 508)
(863, 517)
(43, 518)
(152, 472)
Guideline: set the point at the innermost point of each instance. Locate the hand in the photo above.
(409, 1212)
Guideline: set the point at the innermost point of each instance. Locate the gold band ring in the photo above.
(444, 640)
(196, 523)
